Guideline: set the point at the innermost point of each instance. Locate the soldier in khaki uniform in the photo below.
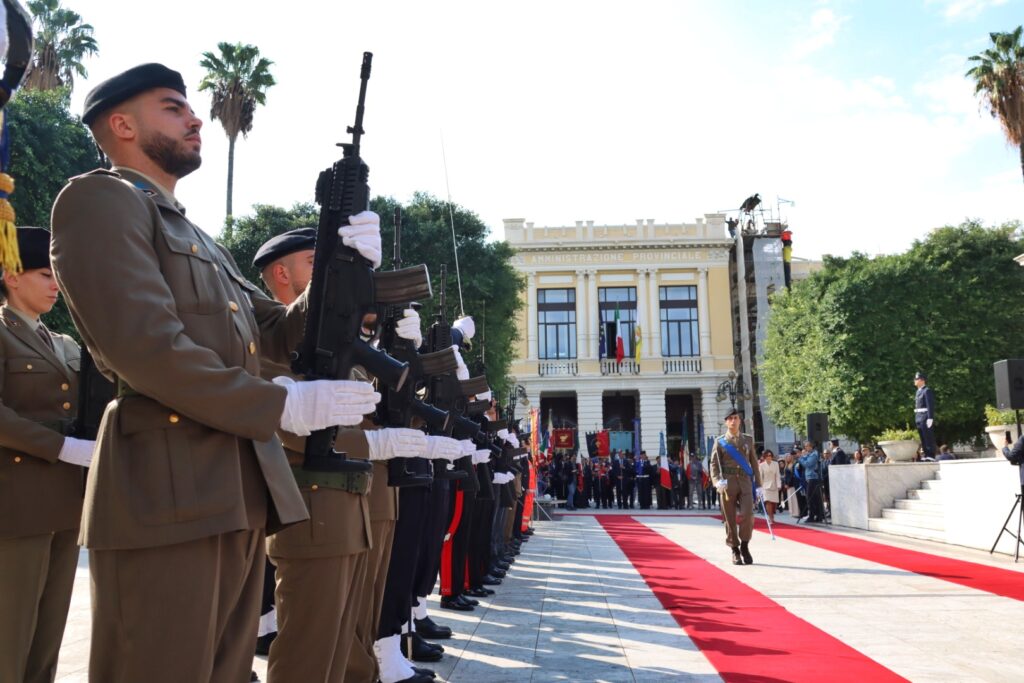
(41, 469)
(737, 485)
(188, 475)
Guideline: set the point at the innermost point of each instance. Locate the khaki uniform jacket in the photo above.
(722, 461)
(163, 308)
(38, 400)
(339, 521)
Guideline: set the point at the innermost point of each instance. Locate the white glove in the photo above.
(324, 403)
(513, 440)
(462, 372)
(722, 485)
(396, 442)
(466, 326)
(503, 435)
(468, 447)
(442, 447)
(480, 457)
(76, 451)
(485, 396)
(502, 477)
(929, 422)
(408, 327)
(759, 493)
(363, 234)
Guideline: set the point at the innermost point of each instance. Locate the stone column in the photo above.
(703, 317)
(589, 411)
(595, 315)
(582, 316)
(641, 307)
(655, 314)
(652, 420)
(531, 316)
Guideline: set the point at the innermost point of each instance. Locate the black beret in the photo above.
(284, 244)
(128, 84)
(34, 246)
(920, 375)
(732, 412)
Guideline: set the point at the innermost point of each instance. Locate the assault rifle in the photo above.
(401, 407)
(94, 393)
(342, 294)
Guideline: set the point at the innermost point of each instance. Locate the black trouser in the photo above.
(628, 490)
(606, 494)
(433, 537)
(816, 507)
(455, 552)
(927, 438)
(480, 541)
(643, 483)
(396, 606)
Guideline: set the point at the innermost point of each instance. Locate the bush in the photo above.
(995, 417)
(895, 434)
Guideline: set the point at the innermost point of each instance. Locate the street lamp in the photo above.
(732, 389)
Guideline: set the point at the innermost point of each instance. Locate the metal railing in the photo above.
(569, 368)
(627, 367)
(681, 366)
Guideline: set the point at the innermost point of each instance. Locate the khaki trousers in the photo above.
(317, 602)
(739, 491)
(182, 612)
(362, 664)
(37, 574)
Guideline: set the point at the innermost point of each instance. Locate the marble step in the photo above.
(925, 495)
(915, 518)
(931, 485)
(923, 506)
(890, 526)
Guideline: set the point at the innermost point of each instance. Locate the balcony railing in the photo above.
(547, 368)
(626, 367)
(681, 366)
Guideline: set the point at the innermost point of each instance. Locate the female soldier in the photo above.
(41, 469)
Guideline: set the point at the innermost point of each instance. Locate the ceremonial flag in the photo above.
(638, 341)
(683, 459)
(636, 437)
(534, 432)
(602, 443)
(563, 439)
(666, 476)
(620, 349)
(602, 345)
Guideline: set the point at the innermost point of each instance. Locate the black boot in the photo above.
(428, 629)
(422, 651)
(745, 551)
(736, 559)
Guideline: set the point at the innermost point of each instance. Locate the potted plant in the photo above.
(900, 445)
(1000, 422)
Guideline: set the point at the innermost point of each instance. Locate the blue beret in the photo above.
(34, 247)
(284, 244)
(128, 84)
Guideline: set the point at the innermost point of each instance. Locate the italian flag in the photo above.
(620, 349)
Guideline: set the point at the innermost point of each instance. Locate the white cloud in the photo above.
(818, 33)
(964, 9)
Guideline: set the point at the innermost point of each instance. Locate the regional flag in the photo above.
(603, 447)
(666, 475)
(602, 344)
(620, 350)
(638, 341)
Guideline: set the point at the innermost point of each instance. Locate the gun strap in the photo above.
(123, 390)
(350, 482)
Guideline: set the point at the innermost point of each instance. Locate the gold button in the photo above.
(66, 406)
(28, 367)
(233, 306)
(173, 419)
(252, 347)
(17, 458)
(314, 487)
(195, 248)
(65, 386)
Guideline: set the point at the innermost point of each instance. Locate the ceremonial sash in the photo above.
(736, 455)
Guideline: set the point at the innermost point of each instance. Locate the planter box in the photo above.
(997, 433)
(899, 451)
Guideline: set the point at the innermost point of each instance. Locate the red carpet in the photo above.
(1004, 582)
(747, 637)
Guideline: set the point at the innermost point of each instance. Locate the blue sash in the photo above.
(736, 455)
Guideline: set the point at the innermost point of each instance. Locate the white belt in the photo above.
(920, 410)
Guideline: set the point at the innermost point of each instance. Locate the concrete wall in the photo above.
(861, 491)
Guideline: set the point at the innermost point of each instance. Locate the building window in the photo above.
(624, 299)
(680, 335)
(556, 323)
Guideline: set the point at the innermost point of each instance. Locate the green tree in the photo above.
(244, 238)
(999, 81)
(62, 41)
(238, 78)
(48, 146)
(849, 339)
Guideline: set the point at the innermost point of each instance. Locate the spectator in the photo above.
(771, 480)
(880, 455)
(812, 468)
(945, 453)
(858, 457)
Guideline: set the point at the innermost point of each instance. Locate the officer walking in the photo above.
(924, 414)
(734, 469)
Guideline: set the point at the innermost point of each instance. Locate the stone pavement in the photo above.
(573, 608)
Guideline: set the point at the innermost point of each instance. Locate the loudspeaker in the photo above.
(817, 427)
(1009, 383)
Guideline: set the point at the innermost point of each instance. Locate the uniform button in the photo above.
(252, 348)
(65, 386)
(233, 306)
(28, 367)
(173, 419)
(314, 487)
(66, 406)
(195, 248)
(17, 458)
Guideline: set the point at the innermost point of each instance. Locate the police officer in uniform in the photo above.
(737, 485)
(41, 470)
(924, 413)
(188, 474)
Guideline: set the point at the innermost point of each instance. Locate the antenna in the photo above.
(451, 218)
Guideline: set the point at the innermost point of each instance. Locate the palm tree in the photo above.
(999, 80)
(239, 79)
(62, 41)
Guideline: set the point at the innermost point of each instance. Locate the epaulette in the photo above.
(96, 171)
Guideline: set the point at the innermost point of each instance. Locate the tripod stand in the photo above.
(1018, 507)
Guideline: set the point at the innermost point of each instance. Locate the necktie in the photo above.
(44, 334)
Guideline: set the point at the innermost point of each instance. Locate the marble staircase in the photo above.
(919, 515)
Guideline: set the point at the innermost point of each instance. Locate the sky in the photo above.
(856, 112)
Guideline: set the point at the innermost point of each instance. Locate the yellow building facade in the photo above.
(670, 280)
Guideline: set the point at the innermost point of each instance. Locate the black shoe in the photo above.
(498, 573)
(422, 651)
(469, 601)
(255, 677)
(745, 552)
(490, 581)
(428, 629)
(454, 604)
(263, 643)
(424, 672)
(503, 566)
(417, 678)
(478, 592)
(736, 559)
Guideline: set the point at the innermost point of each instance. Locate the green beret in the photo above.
(34, 246)
(128, 84)
(284, 244)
